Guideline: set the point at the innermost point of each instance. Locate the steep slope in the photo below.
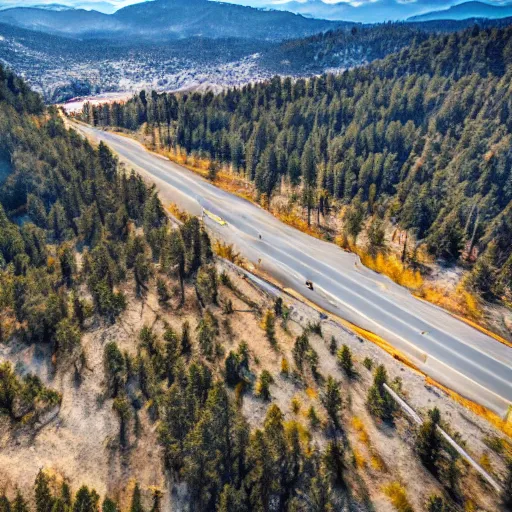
(168, 19)
(69, 22)
(215, 19)
(340, 49)
(126, 383)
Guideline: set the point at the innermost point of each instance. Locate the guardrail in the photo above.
(400, 401)
(463, 453)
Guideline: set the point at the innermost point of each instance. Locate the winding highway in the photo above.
(450, 351)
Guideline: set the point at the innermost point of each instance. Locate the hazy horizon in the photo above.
(350, 10)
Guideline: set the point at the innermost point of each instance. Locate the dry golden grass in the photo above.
(461, 302)
(392, 267)
(231, 182)
(485, 462)
(304, 433)
(359, 460)
(227, 252)
(312, 393)
(358, 425)
(381, 342)
(377, 463)
(398, 496)
(177, 213)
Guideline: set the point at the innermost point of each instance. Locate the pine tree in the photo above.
(5, 505)
(136, 503)
(157, 500)
(19, 504)
(435, 504)
(332, 401)
(333, 461)
(186, 344)
(308, 171)
(428, 441)
(333, 345)
(269, 327)
(85, 500)
(43, 495)
(123, 409)
(379, 402)
(345, 360)
(206, 284)
(232, 500)
(162, 291)
(320, 494)
(263, 385)
(175, 261)
(109, 506)
(506, 495)
(115, 368)
(376, 238)
(65, 494)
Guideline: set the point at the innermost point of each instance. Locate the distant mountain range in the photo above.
(169, 19)
(105, 7)
(364, 12)
(46, 7)
(467, 10)
(379, 11)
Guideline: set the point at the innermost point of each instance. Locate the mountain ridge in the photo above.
(169, 19)
(466, 10)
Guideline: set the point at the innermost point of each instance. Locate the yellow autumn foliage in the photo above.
(227, 252)
(398, 496)
(391, 266)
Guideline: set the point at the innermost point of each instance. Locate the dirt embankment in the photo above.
(81, 443)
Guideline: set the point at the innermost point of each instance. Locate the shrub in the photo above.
(398, 497)
(313, 418)
(263, 385)
(296, 405)
(368, 363)
(269, 327)
(333, 345)
(285, 367)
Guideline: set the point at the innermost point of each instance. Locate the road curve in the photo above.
(450, 351)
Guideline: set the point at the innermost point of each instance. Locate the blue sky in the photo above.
(360, 10)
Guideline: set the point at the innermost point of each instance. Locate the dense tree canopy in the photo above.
(422, 136)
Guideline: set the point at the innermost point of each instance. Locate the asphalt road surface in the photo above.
(450, 351)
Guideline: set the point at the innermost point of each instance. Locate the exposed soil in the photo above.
(80, 443)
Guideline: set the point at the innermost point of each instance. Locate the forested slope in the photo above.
(422, 136)
(77, 235)
(342, 48)
(84, 241)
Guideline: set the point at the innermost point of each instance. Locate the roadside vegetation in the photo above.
(419, 140)
(197, 377)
